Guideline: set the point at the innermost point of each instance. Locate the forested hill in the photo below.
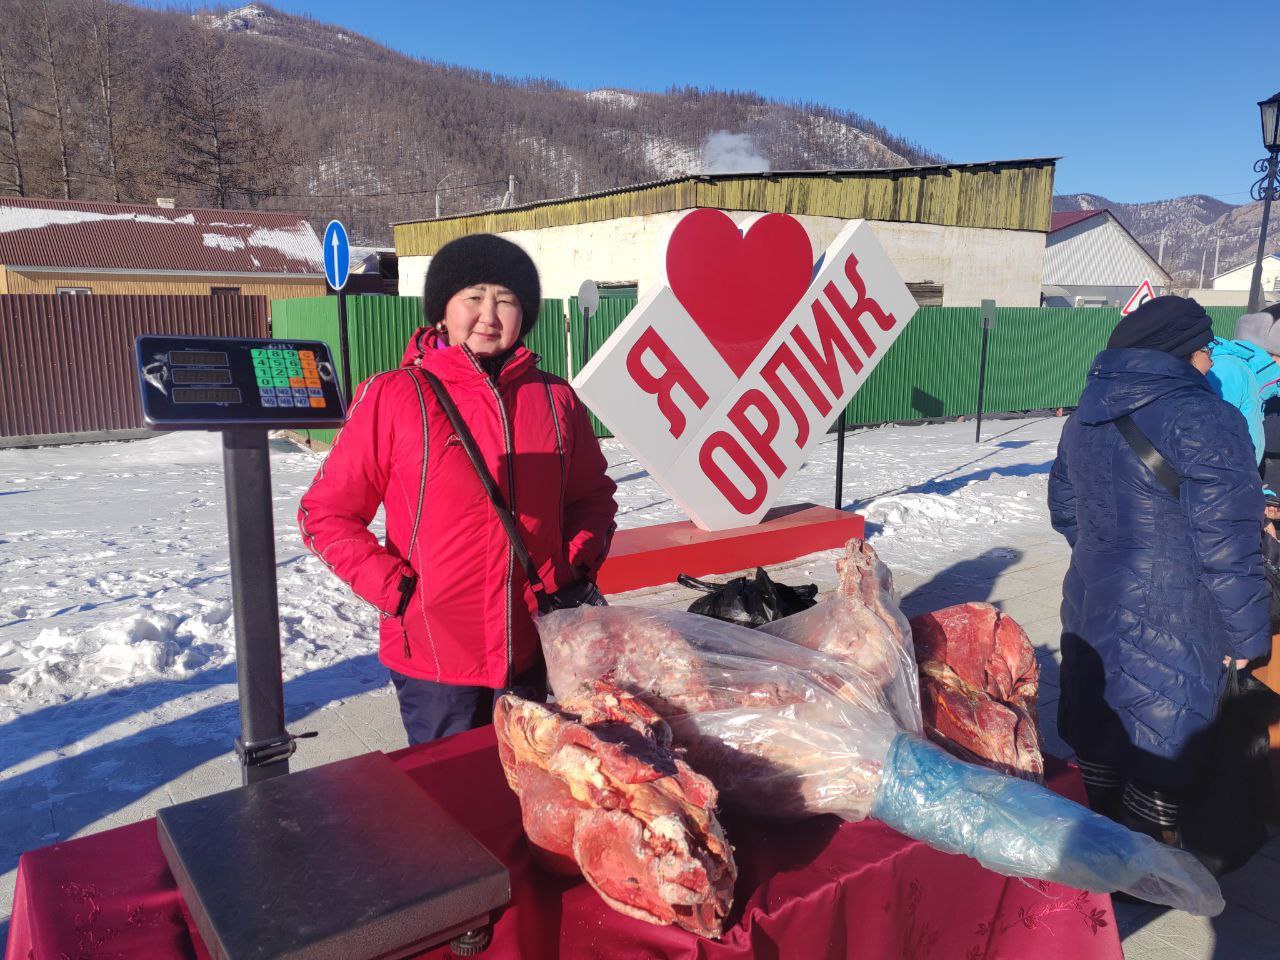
(254, 107)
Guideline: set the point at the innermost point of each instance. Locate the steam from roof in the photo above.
(725, 152)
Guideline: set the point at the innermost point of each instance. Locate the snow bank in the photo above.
(178, 447)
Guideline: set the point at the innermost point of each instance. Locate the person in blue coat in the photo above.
(1162, 591)
(1245, 372)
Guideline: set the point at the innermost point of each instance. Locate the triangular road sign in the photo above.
(1140, 296)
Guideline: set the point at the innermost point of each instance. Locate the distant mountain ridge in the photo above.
(1191, 226)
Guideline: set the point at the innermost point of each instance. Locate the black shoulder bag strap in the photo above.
(500, 507)
(1149, 455)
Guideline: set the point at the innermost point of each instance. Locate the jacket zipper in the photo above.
(509, 442)
(422, 489)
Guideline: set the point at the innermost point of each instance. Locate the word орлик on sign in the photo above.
(722, 381)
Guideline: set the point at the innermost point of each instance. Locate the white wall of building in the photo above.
(1242, 276)
(971, 263)
(1213, 297)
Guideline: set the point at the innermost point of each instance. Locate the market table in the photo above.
(818, 888)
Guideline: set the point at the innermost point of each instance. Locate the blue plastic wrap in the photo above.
(1020, 828)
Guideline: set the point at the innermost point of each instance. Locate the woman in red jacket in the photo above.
(456, 608)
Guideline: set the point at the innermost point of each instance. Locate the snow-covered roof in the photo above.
(121, 236)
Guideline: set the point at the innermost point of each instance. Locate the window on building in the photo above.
(620, 290)
(224, 291)
(926, 294)
(75, 291)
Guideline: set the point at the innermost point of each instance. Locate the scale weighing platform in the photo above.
(347, 861)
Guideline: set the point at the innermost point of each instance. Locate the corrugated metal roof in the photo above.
(1068, 217)
(761, 175)
(1102, 253)
(1004, 194)
(81, 234)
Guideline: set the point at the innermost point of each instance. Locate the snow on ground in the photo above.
(115, 611)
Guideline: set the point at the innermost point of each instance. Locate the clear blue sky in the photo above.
(1144, 101)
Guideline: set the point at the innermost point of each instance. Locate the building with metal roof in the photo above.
(72, 246)
(1239, 278)
(1091, 260)
(957, 233)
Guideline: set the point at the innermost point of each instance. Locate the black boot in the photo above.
(1104, 786)
(1153, 812)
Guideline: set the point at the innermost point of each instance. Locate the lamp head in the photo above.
(1270, 109)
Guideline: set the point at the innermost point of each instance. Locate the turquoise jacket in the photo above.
(1246, 377)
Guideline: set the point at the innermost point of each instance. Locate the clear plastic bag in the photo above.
(1018, 828)
(781, 730)
(785, 731)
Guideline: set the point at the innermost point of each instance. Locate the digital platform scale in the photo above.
(349, 860)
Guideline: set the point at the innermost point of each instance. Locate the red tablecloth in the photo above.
(821, 888)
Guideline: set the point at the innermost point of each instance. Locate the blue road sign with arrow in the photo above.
(337, 254)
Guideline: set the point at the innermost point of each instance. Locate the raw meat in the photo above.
(978, 684)
(785, 729)
(781, 730)
(860, 625)
(602, 793)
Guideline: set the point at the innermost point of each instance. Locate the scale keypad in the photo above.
(287, 378)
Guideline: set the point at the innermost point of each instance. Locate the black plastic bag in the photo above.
(1224, 816)
(749, 601)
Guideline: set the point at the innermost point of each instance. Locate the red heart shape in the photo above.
(738, 289)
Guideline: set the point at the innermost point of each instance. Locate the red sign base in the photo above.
(653, 556)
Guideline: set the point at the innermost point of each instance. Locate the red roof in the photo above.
(1068, 217)
(123, 236)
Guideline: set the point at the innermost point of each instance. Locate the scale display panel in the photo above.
(203, 383)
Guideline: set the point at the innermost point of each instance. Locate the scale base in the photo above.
(349, 861)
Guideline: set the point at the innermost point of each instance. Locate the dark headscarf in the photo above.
(1176, 325)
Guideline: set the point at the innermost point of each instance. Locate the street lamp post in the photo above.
(1265, 189)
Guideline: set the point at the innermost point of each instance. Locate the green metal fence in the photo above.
(377, 330)
(547, 338)
(1037, 357)
(611, 312)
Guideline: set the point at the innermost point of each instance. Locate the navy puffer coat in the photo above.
(1159, 589)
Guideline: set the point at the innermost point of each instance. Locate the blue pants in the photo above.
(432, 710)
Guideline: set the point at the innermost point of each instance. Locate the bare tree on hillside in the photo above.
(10, 156)
(224, 148)
(111, 62)
(52, 105)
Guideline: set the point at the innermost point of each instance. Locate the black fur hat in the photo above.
(481, 258)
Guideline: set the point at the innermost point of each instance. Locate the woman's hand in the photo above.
(1240, 664)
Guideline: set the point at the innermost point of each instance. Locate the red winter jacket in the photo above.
(469, 620)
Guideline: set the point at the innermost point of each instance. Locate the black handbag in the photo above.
(582, 593)
(1224, 816)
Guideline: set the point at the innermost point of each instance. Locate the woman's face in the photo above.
(1202, 361)
(485, 317)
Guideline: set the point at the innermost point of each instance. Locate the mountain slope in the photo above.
(378, 132)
